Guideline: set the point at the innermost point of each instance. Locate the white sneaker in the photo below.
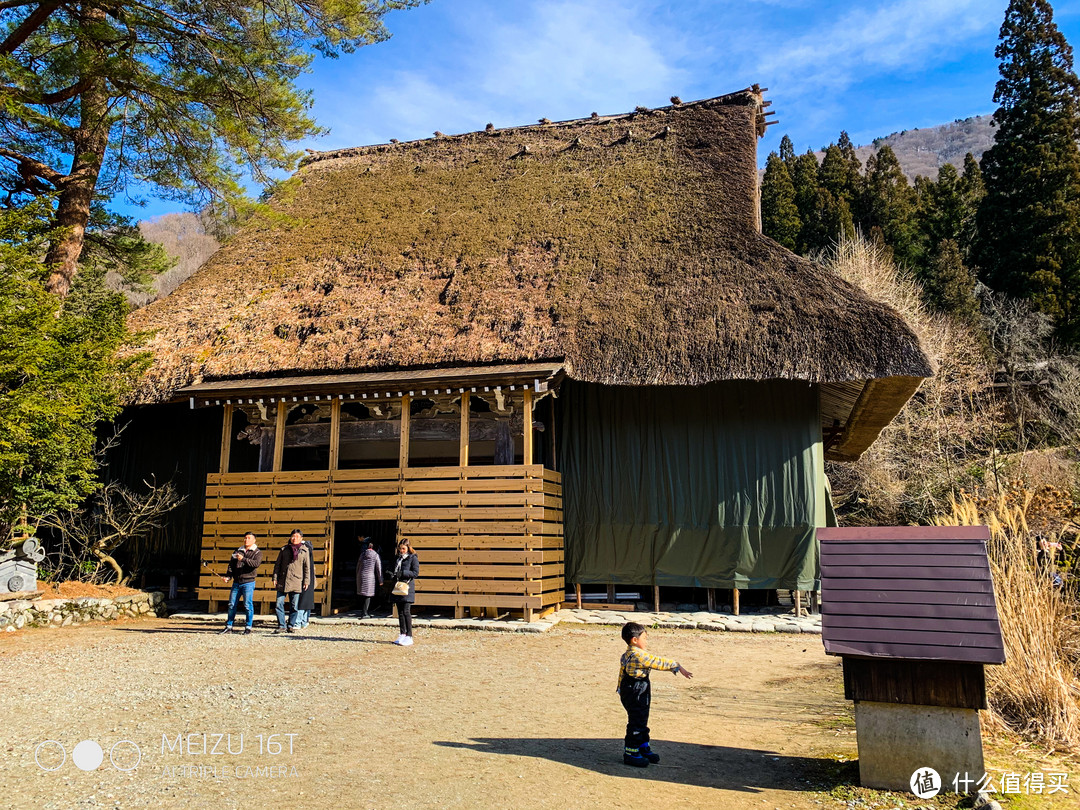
(398, 640)
(406, 641)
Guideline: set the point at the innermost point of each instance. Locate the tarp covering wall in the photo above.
(714, 486)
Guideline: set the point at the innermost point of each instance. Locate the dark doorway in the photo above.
(347, 549)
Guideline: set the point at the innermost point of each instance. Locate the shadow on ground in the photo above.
(213, 630)
(709, 766)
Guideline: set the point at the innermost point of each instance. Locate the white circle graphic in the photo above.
(87, 755)
(38, 751)
(925, 783)
(125, 756)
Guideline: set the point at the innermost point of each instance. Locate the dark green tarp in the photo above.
(714, 486)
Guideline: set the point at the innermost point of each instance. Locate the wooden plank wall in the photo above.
(488, 537)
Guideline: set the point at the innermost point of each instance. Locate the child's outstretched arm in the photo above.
(684, 672)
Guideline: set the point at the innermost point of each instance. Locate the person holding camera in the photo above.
(243, 565)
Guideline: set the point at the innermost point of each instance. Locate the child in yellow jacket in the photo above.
(635, 691)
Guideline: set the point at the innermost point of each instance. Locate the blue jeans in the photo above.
(279, 607)
(248, 590)
(304, 617)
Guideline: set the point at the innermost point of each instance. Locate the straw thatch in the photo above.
(625, 245)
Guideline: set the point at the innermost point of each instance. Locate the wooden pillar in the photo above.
(656, 598)
(551, 433)
(335, 433)
(611, 593)
(279, 435)
(577, 593)
(813, 601)
(527, 413)
(798, 603)
(226, 439)
(463, 452)
(403, 450)
(735, 601)
(710, 599)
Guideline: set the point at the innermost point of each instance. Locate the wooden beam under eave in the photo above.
(403, 450)
(463, 453)
(226, 439)
(526, 411)
(335, 433)
(279, 435)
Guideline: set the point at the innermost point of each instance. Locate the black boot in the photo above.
(647, 752)
(632, 756)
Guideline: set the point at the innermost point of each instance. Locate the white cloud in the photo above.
(566, 56)
(552, 58)
(891, 38)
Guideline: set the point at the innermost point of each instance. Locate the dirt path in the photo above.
(461, 720)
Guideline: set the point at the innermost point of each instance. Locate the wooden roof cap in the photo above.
(909, 592)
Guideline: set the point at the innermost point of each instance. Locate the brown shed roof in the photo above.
(911, 592)
(625, 247)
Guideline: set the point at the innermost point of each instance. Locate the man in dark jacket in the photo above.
(292, 574)
(243, 565)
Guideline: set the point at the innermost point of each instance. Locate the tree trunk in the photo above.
(113, 564)
(89, 143)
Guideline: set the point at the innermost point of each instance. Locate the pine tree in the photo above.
(949, 285)
(779, 214)
(1029, 220)
(972, 191)
(787, 151)
(804, 177)
(888, 204)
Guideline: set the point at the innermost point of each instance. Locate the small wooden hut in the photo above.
(911, 611)
(547, 354)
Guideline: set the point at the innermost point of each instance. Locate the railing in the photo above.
(488, 537)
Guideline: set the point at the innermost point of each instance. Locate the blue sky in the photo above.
(871, 68)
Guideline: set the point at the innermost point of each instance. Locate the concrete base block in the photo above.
(896, 739)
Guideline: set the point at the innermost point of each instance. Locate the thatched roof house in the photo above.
(625, 246)
(620, 250)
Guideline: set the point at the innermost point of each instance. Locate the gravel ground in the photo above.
(461, 720)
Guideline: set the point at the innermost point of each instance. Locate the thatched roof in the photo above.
(626, 246)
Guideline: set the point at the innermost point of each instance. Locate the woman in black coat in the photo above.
(406, 569)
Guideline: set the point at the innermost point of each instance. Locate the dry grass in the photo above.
(1036, 692)
(950, 425)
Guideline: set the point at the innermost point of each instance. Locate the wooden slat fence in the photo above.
(488, 537)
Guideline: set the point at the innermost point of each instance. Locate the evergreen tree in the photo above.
(804, 178)
(949, 285)
(972, 191)
(59, 375)
(97, 94)
(779, 214)
(888, 204)
(1029, 220)
(787, 151)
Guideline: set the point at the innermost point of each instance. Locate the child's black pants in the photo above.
(636, 695)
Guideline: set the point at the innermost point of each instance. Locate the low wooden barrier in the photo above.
(489, 538)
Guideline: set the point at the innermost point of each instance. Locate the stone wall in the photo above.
(20, 613)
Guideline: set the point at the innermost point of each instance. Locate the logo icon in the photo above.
(925, 783)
